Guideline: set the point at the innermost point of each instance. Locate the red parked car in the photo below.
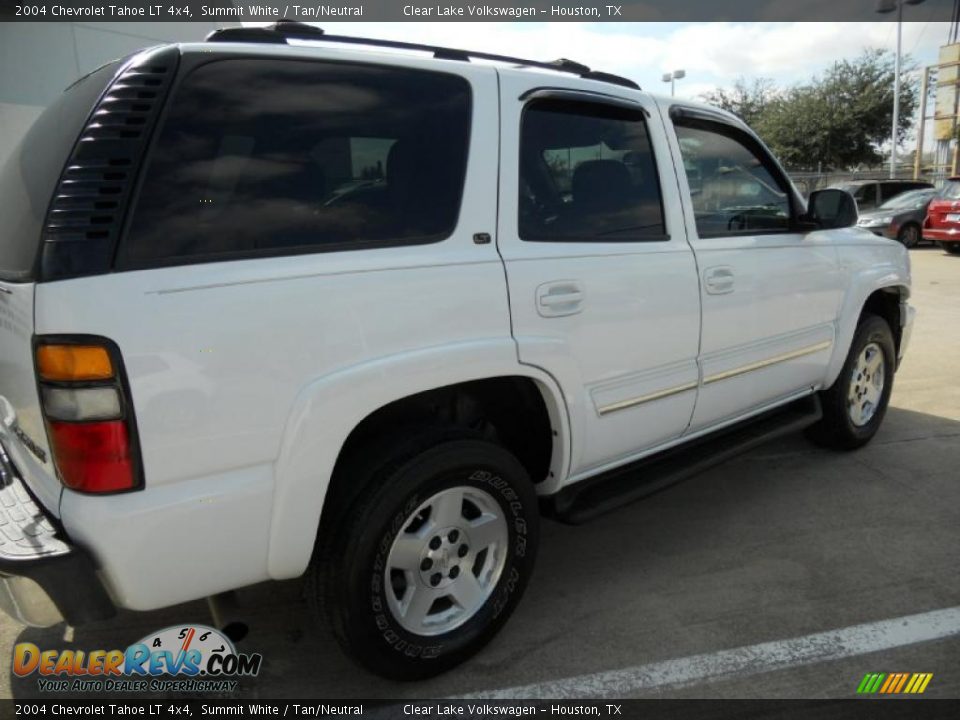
(943, 218)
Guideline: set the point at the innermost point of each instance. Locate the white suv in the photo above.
(271, 309)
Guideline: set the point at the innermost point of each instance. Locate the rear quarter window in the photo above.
(262, 157)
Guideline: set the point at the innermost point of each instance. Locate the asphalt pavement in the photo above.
(790, 571)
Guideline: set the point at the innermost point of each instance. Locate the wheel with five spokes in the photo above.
(432, 556)
(854, 406)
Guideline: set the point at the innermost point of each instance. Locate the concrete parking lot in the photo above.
(789, 572)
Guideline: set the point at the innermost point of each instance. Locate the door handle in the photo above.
(718, 280)
(555, 299)
(559, 298)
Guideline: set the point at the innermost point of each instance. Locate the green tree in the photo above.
(836, 121)
(747, 100)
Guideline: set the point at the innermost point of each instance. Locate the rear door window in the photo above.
(866, 196)
(587, 174)
(261, 157)
(889, 190)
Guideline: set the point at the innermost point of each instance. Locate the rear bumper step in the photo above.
(587, 500)
(42, 577)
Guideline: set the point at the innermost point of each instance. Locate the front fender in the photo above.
(870, 268)
(328, 409)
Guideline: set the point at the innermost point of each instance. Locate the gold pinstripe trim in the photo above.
(624, 404)
(783, 357)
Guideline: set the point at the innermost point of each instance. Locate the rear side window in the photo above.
(889, 190)
(587, 173)
(260, 157)
(866, 195)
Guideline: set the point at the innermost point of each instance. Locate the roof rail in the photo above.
(283, 30)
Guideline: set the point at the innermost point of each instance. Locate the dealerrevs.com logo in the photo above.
(182, 658)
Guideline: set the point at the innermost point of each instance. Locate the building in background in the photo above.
(39, 60)
(940, 87)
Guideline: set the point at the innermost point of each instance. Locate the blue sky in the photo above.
(713, 54)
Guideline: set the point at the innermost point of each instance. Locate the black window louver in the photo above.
(87, 212)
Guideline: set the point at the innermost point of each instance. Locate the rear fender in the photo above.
(330, 407)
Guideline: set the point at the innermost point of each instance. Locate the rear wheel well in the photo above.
(507, 410)
(885, 303)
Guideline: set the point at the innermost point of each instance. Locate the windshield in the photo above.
(951, 190)
(909, 199)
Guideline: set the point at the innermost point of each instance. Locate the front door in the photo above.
(770, 292)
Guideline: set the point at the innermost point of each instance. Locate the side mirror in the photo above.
(831, 208)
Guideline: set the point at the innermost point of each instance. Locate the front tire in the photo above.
(952, 248)
(909, 235)
(432, 558)
(854, 406)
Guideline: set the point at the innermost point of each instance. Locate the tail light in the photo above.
(88, 413)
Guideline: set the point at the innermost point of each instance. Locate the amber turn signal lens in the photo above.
(73, 362)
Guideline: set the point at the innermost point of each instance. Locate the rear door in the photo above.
(770, 293)
(603, 285)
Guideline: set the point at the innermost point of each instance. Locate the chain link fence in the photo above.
(807, 181)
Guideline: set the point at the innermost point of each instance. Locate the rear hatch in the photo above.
(27, 183)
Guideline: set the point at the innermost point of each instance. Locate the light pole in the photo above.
(883, 7)
(678, 75)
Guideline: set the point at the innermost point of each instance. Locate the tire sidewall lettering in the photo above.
(412, 646)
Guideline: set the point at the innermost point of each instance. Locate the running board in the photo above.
(590, 498)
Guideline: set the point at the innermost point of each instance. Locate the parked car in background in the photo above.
(942, 224)
(870, 194)
(900, 218)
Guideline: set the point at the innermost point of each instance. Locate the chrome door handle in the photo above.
(559, 298)
(718, 280)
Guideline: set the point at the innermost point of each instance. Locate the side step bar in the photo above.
(588, 499)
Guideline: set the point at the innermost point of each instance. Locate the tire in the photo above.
(909, 235)
(854, 407)
(406, 538)
(951, 247)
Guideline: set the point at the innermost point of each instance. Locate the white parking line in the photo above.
(744, 661)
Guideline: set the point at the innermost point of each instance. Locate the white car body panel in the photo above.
(21, 420)
(632, 291)
(229, 350)
(248, 376)
(869, 264)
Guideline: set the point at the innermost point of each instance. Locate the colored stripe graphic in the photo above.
(894, 683)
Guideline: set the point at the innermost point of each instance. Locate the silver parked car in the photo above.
(901, 217)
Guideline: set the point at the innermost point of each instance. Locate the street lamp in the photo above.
(883, 7)
(681, 74)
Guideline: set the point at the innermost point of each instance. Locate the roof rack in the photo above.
(283, 30)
